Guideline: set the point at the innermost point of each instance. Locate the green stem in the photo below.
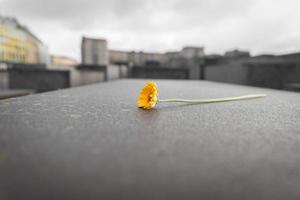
(254, 96)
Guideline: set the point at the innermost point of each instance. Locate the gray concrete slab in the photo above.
(5, 94)
(92, 142)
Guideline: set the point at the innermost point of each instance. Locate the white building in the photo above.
(94, 51)
(192, 52)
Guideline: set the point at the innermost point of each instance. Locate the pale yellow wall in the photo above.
(17, 45)
(63, 61)
(32, 53)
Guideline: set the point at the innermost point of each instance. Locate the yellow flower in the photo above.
(148, 96)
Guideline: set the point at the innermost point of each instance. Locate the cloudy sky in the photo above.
(260, 26)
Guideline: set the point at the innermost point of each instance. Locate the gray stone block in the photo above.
(92, 142)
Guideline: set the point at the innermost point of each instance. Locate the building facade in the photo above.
(192, 52)
(63, 61)
(94, 51)
(19, 45)
(176, 59)
(237, 54)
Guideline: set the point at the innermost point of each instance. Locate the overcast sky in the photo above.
(260, 26)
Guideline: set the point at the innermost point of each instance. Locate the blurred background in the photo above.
(47, 45)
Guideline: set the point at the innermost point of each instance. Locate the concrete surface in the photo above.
(92, 142)
(5, 94)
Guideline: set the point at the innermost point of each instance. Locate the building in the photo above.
(192, 52)
(137, 58)
(63, 61)
(187, 63)
(119, 57)
(189, 59)
(237, 54)
(24, 60)
(94, 51)
(167, 59)
(19, 45)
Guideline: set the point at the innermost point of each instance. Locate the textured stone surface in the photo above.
(93, 143)
(5, 94)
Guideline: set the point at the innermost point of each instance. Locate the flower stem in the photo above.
(254, 96)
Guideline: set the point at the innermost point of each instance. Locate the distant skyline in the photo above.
(259, 26)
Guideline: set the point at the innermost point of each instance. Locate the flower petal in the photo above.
(148, 96)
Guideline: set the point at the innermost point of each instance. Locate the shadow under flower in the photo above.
(175, 107)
